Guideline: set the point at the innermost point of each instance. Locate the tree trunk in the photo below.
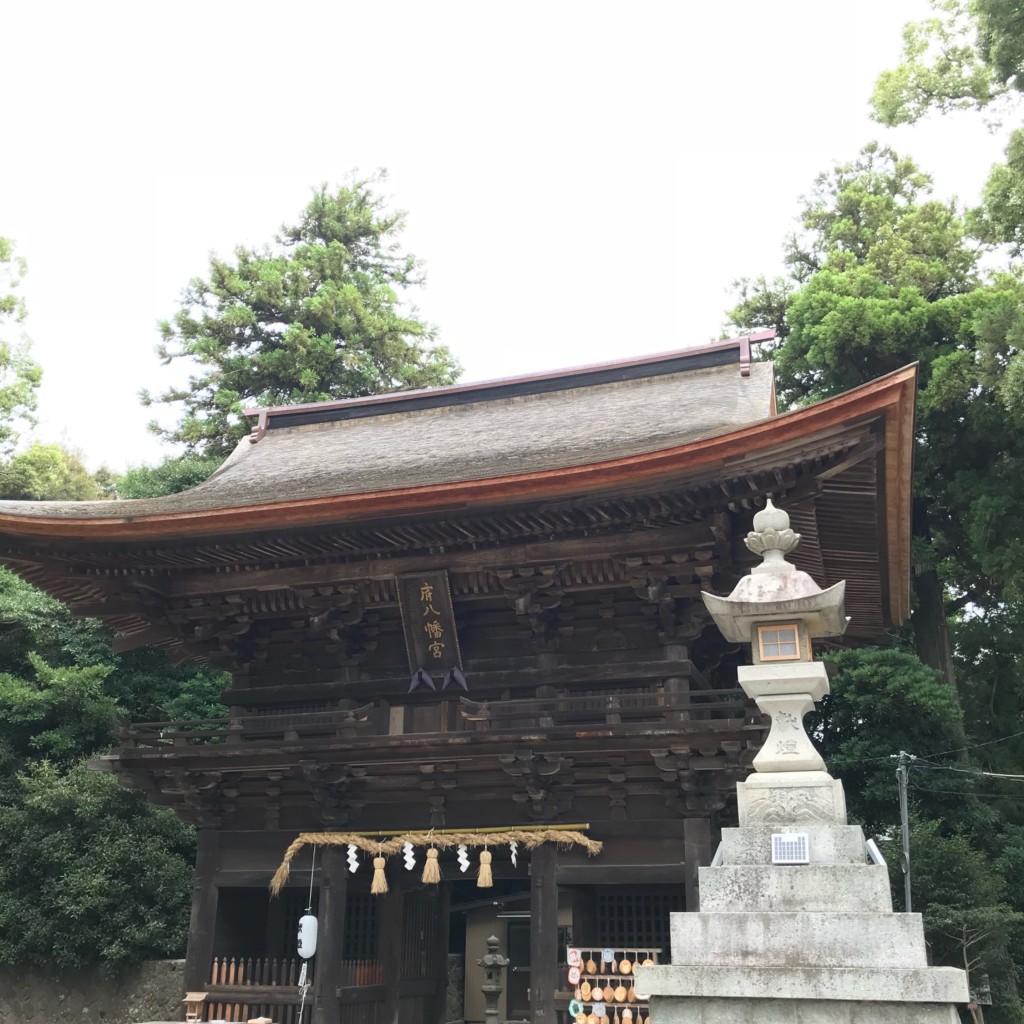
(931, 639)
(931, 626)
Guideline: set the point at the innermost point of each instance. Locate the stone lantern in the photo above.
(795, 921)
(779, 611)
(494, 965)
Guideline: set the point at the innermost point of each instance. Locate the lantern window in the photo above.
(778, 643)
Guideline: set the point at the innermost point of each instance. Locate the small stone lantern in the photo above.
(779, 611)
(494, 965)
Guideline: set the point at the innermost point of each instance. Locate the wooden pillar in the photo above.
(584, 914)
(543, 933)
(696, 853)
(390, 916)
(203, 921)
(677, 687)
(330, 946)
(436, 1005)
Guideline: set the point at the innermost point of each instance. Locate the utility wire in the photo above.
(303, 984)
(960, 792)
(904, 762)
(924, 757)
(975, 746)
(968, 771)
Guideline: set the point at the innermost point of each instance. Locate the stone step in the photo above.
(728, 995)
(842, 888)
(884, 941)
(828, 844)
(708, 1010)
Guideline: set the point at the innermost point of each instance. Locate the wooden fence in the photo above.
(625, 708)
(241, 988)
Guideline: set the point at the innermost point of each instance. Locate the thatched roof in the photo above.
(463, 433)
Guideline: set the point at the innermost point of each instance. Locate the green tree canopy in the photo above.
(58, 713)
(89, 872)
(857, 738)
(882, 275)
(318, 315)
(968, 914)
(169, 477)
(47, 472)
(968, 56)
(962, 58)
(19, 375)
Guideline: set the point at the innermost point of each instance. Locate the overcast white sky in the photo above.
(583, 179)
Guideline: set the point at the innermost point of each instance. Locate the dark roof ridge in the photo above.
(678, 360)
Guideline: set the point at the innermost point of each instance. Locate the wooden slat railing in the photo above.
(609, 708)
(247, 728)
(613, 708)
(244, 987)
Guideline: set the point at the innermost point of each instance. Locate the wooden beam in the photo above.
(861, 452)
(543, 933)
(115, 607)
(572, 670)
(667, 540)
(331, 939)
(203, 919)
(390, 920)
(277, 995)
(620, 874)
(444, 747)
(435, 1004)
(144, 638)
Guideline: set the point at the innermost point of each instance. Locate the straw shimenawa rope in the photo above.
(431, 869)
(530, 839)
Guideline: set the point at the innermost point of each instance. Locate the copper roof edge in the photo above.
(571, 375)
(893, 395)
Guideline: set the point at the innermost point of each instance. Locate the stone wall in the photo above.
(150, 992)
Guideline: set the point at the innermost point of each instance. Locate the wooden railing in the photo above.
(285, 727)
(254, 987)
(610, 708)
(244, 987)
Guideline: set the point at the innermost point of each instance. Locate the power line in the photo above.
(859, 760)
(960, 792)
(924, 757)
(968, 771)
(975, 746)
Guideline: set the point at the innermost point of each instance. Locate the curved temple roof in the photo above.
(480, 439)
(619, 458)
(700, 420)
(517, 429)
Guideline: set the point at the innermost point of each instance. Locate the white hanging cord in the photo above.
(312, 871)
(303, 986)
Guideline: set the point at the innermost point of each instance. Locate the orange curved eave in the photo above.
(892, 395)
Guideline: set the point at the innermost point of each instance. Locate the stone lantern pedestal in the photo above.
(796, 924)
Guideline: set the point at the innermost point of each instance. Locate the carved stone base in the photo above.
(788, 748)
(791, 799)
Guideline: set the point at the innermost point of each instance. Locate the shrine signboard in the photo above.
(428, 621)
